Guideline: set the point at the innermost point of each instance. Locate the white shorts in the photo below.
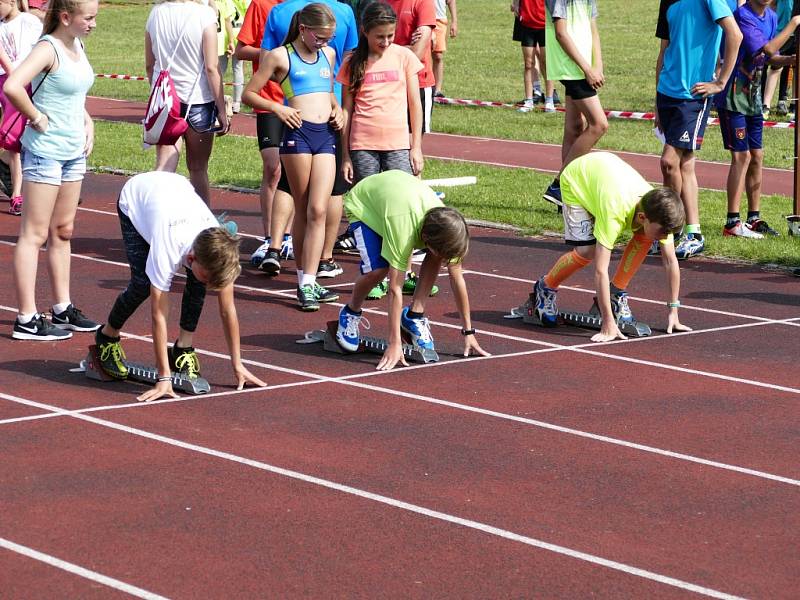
(578, 226)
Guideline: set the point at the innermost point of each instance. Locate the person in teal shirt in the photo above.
(392, 214)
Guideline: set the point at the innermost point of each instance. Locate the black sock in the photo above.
(414, 315)
(753, 215)
(732, 219)
(351, 311)
(101, 337)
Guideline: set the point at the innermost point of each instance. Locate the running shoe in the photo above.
(112, 356)
(230, 226)
(553, 194)
(527, 106)
(620, 309)
(782, 109)
(287, 248)
(347, 334)
(761, 226)
(741, 230)
(544, 300)
(236, 107)
(74, 319)
(439, 94)
(184, 361)
(345, 243)
(549, 106)
(379, 291)
(15, 205)
(410, 285)
(271, 265)
(324, 295)
(307, 298)
(440, 195)
(689, 246)
(538, 96)
(257, 257)
(765, 111)
(655, 248)
(39, 329)
(329, 268)
(418, 329)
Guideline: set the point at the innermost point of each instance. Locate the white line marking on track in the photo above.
(388, 501)
(350, 380)
(78, 570)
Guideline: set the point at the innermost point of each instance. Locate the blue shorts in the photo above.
(741, 133)
(683, 121)
(202, 117)
(369, 246)
(38, 169)
(310, 138)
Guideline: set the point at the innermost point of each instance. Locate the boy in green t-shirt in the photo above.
(604, 197)
(391, 214)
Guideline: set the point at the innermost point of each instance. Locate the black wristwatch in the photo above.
(466, 332)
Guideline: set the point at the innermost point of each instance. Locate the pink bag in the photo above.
(163, 124)
(14, 122)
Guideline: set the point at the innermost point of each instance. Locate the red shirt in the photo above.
(531, 13)
(251, 34)
(412, 14)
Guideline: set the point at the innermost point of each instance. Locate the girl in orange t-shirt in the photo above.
(380, 96)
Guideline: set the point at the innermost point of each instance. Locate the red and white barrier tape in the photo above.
(613, 114)
(127, 77)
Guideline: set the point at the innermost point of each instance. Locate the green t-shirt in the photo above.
(226, 11)
(392, 204)
(608, 188)
(578, 14)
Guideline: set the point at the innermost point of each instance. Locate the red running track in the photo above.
(556, 468)
(506, 153)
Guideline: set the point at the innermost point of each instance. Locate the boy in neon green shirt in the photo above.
(392, 214)
(604, 197)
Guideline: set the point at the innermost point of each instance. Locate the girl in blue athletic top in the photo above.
(311, 114)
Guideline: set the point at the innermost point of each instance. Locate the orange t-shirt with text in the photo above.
(251, 34)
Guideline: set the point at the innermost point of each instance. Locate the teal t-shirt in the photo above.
(392, 204)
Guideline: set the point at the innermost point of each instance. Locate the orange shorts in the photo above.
(440, 36)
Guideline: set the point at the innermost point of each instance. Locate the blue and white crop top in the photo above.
(306, 78)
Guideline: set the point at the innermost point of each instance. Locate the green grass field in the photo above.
(482, 63)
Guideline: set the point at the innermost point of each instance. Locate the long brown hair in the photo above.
(54, 10)
(373, 15)
(313, 16)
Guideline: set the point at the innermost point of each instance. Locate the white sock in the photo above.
(299, 276)
(25, 318)
(60, 308)
(308, 280)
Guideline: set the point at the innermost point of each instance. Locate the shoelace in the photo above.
(549, 302)
(319, 290)
(74, 313)
(423, 329)
(353, 322)
(188, 361)
(623, 310)
(114, 349)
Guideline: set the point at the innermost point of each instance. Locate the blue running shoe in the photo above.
(287, 248)
(418, 329)
(655, 248)
(620, 309)
(347, 333)
(553, 194)
(545, 304)
(688, 246)
(260, 253)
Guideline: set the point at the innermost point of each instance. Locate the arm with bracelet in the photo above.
(670, 262)
(459, 287)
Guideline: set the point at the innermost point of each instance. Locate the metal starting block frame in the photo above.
(141, 374)
(373, 345)
(587, 320)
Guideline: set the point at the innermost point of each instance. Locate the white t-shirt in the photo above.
(178, 27)
(441, 10)
(168, 214)
(19, 36)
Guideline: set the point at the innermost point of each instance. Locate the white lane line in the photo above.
(78, 570)
(637, 298)
(352, 380)
(388, 501)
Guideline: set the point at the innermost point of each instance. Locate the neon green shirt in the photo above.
(608, 188)
(392, 204)
(578, 15)
(226, 11)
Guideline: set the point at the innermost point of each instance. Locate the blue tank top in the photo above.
(306, 78)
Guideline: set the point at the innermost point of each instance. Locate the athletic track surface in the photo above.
(662, 467)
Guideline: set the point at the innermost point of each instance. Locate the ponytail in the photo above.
(313, 16)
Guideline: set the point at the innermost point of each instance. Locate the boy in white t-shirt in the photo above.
(165, 226)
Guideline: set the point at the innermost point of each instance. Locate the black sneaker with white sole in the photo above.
(72, 318)
(329, 268)
(271, 265)
(39, 329)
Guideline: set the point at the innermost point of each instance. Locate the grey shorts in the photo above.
(372, 162)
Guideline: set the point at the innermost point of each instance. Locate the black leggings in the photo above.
(138, 290)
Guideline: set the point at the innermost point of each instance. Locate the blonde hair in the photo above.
(54, 10)
(445, 232)
(217, 251)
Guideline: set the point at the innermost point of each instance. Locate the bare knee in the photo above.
(316, 213)
(62, 233)
(585, 252)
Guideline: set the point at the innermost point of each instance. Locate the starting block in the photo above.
(587, 320)
(374, 345)
(141, 374)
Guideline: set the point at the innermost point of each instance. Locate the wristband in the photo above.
(675, 304)
(466, 332)
(164, 378)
